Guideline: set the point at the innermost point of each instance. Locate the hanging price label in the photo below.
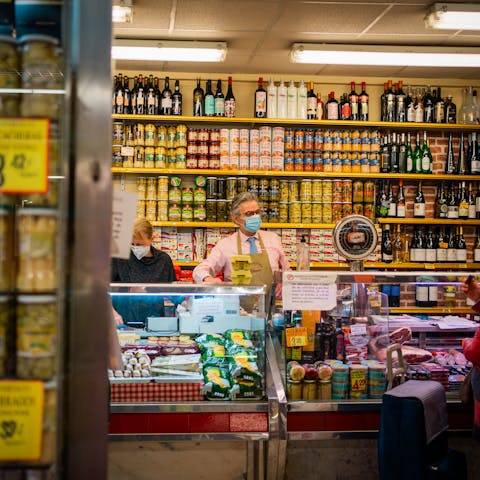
(358, 381)
(21, 419)
(24, 155)
(296, 337)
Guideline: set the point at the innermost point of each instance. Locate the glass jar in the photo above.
(309, 391)
(294, 390)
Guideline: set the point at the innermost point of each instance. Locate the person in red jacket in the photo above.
(471, 350)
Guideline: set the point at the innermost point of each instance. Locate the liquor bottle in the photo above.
(452, 203)
(413, 246)
(428, 106)
(419, 203)
(339, 341)
(417, 156)
(282, 100)
(127, 105)
(158, 94)
(177, 99)
(119, 95)
(462, 112)
(150, 97)
(397, 245)
(392, 202)
(166, 99)
(311, 103)
(402, 155)
(394, 155)
(472, 214)
(320, 107)
(382, 202)
(401, 205)
(363, 103)
(450, 110)
(462, 202)
(441, 245)
(114, 91)
(441, 207)
(477, 202)
(474, 157)
(383, 103)
(400, 106)
(410, 106)
(133, 96)
(301, 101)
(344, 107)
(462, 161)
(476, 247)
(219, 100)
(427, 161)
(260, 100)
(390, 103)
(450, 162)
(430, 250)
(292, 99)
(385, 161)
(198, 100)
(271, 99)
(331, 107)
(461, 246)
(230, 103)
(452, 250)
(386, 248)
(140, 97)
(421, 251)
(209, 100)
(439, 107)
(353, 100)
(410, 160)
(418, 107)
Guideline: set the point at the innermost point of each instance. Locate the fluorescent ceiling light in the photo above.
(175, 51)
(454, 16)
(122, 11)
(378, 55)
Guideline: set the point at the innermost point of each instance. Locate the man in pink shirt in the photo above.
(264, 247)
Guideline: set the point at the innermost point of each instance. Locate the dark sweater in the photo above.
(156, 269)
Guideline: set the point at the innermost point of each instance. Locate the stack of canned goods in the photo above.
(340, 151)
(203, 148)
(152, 146)
(220, 193)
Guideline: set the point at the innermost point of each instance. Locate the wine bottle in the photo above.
(390, 103)
(177, 103)
(419, 203)
(219, 101)
(461, 246)
(394, 155)
(301, 101)
(402, 155)
(392, 202)
(418, 107)
(209, 100)
(272, 99)
(449, 161)
(398, 246)
(133, 96)
(198, 100)
(331, 107)
(450, 110)
(119, 95)
(474, 157)
(353, 101)
(430, 250)
(387, 253)
(462, 202)
(166, 100)
(410, 106)
(427, 160)
(311, 103)
(452, 250)
(417, 156)
(382, 202)
(150, 98)
(441, 207)
(439, 107)
(461, 162)
(140, 97)
(400, 106)
(442, 245)
(230, 103)
(452, 203)
(476, 247)
(282, 100)
(477, 202)
(114, 91)
(320, 107)
(401, 205)
(421, 251)
(383, 103)
(472, 214)
(363, 103)
(410, 159)
(344, 108)
(428, 106)
(385, 165)
(413, 246)
(260, 100)
(158, 94)
(292, 99)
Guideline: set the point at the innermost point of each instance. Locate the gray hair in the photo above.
(242, 198)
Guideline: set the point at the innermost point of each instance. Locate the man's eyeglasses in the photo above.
(251, 213)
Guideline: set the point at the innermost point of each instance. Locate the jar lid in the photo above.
(36, 37)
(36, 299)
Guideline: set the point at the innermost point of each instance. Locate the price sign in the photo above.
(21, 418)
(358, 380)
(24, 155)
(296, 337)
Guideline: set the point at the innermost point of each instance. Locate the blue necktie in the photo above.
(253, 247)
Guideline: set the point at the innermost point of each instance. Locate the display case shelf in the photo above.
(427, 221)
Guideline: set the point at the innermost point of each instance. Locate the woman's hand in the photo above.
(471, 289)
(210, 279)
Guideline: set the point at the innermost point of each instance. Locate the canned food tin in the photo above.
(357, 208)
(306, 212)
(337, 193)
(295, 212)
(242, 184)
(283, 212)
(293, 191)
(202, 148)
(252, 185)
(369, 191)
(337, 211)
(191, 161)
(346, 209)
(192, 148)
(199, 195)
(357, 191)
(203, 135)
(199, 212)
(317, 212)
(214, 148)
(263, 189)
(274, 192)
(283, 190)
(231, 188)
(187, 195)
(347, 190)
(202, 161)
(327, 213)
(214, 135)
(305, 190)
(192, 135)
(174, 212)
(174, 195)
(187, 213)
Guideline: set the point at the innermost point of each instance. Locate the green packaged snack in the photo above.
(243, 369)
(244, 391)
(217, 384)
(239, 337)
(211, 345)
(234, 350)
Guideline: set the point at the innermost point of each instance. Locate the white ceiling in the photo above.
(259, 33)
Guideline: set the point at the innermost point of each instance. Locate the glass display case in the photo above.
(185, 342)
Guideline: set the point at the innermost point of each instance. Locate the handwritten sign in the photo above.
(296, 337)
(123, 217)
(21, 418)
(309, 296)
(24, 144)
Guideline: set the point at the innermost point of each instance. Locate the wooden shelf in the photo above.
(231, 225)
(427, 221)
(296, 122)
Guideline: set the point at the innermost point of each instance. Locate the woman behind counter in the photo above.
(145, 265)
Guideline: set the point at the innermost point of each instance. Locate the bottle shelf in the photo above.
(284, 173)
(297, 122)
(427, 221)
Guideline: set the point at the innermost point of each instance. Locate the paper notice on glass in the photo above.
(123, 216)
(297, 296)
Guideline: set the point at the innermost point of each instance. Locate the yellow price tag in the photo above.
(24, 155)
(296, 337)
(358, 381)
(21, 419)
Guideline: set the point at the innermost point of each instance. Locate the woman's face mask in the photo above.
(140, 250)
(253, 223)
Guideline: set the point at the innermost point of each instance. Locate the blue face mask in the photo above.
(253, 223)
